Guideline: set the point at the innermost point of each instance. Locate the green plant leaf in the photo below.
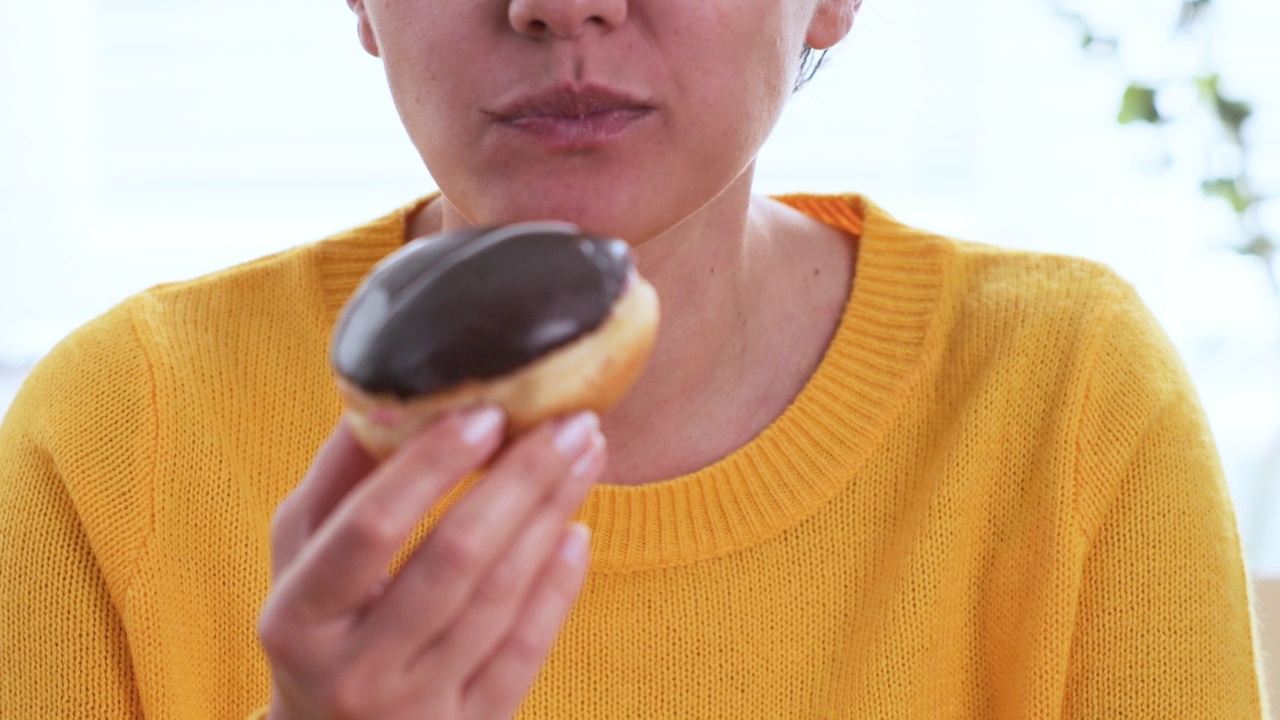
(1233, 190)
(1261, 246)
(1208, 87)
(1139, 105)
(1233, 113)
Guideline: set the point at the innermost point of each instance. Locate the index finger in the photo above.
(351, 550)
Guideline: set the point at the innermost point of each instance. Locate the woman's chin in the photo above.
(597, 214)
(633, 201)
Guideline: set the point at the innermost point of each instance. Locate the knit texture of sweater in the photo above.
(997, 496)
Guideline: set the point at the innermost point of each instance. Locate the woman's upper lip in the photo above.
(567, 102)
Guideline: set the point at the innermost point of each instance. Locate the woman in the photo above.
(868, 471)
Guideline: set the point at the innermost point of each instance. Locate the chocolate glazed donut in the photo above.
(535, 317)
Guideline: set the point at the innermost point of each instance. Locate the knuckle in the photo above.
(285, 521)
(276, 636)
(372, 528)
(458, 550)
(499, 585)
(526, 642)
(361, 686)
(346, 697)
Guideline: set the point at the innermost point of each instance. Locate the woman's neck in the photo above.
(715, 377)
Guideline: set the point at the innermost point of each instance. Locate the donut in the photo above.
(536, 318)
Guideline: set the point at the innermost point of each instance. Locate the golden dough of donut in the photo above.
(592, 372)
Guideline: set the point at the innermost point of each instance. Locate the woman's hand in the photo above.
(462, 630)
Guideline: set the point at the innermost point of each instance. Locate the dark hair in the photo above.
(808, 66)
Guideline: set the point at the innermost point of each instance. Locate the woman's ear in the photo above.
(831, 22)
(363, 27)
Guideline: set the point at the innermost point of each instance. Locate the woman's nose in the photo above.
(565, 19)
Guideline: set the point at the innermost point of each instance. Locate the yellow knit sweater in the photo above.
(996, 497)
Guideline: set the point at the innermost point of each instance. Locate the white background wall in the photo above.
(143, 141)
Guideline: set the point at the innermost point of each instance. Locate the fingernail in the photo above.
(571, 438)
(573, 549)
(478, 424)
(587, 458)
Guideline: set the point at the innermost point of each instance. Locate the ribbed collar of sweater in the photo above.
(801, 460)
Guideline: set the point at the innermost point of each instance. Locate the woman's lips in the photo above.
(578, 132)
(572, 118)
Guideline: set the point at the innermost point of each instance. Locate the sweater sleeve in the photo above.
(1164, 626)
(71, 465)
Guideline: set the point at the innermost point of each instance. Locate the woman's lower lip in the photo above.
(578, 133)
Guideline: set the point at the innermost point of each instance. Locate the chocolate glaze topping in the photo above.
(475, 303)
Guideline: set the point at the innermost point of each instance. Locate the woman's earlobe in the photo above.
(364, 28)
(831, 22)
(367, 40)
